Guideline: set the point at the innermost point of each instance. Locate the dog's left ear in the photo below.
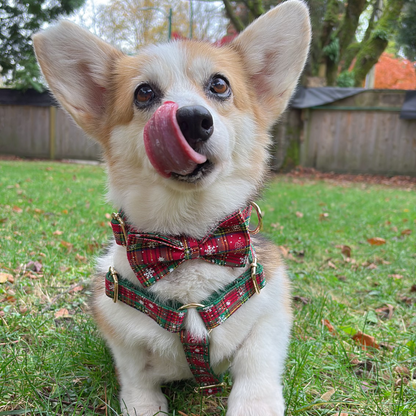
(274, 49)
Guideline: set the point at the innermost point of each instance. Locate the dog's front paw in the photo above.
(158, 407)
(247, 405)
(256, 407)
(145, 410)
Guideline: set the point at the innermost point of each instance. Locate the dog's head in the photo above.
(184, 125)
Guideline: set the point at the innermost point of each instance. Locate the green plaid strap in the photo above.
(215, 310)
(197, 355)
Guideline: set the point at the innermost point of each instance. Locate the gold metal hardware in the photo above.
(253, 275)
(117, 217)
(260, 218)
(115, 278)
(191, 305)
(198, 389)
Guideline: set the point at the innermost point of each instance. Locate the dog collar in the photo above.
(171, 316)
(152, 256)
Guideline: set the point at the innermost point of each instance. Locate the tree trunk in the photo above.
(235, 20)
(372, 49)
(346, 31)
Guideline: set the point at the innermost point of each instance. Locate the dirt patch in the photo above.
(406, 182)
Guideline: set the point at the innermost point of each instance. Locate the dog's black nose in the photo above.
(196, 123)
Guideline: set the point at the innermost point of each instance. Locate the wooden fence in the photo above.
(36, 128)
(359, 134)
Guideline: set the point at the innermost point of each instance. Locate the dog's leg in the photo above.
(140, 392)
(257, 367)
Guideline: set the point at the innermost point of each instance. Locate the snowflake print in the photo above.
(236, 227)
(210, 250)
(243, 260)
(239, 244)
(160, 259)
(149, 273)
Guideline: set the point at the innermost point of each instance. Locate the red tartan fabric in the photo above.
(152, 256)
(197, 356)
(217, 310)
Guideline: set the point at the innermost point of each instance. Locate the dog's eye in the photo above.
(220, 87)
(144, 94)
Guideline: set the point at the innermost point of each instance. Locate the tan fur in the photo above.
(96, 83)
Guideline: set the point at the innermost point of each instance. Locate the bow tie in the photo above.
(152, 256)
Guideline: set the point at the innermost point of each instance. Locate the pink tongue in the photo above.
(166, 147)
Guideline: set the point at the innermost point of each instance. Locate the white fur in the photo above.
(81, 70)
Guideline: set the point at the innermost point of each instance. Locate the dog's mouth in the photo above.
(169, 152)
(197, 174)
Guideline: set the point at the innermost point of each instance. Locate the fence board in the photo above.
(24, 131)
(71, 141)
(375, 142)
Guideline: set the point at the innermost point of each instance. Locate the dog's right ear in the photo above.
(77, 66)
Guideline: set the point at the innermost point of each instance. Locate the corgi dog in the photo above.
(186, 289)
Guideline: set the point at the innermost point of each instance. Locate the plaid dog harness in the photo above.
(228, 245)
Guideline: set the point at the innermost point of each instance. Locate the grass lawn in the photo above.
(54, 221)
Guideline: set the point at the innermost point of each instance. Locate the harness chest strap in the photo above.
(214, 311)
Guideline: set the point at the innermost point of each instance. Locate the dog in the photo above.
(186, 288)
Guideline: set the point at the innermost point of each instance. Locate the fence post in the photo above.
(52, 131)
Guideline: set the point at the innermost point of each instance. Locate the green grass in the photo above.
(59, 365)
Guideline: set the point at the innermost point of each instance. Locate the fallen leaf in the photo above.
(372, 266)
(35, 266)
(328, 324)
(4, 277)
(413, 288)
(323, 215)
(77, 288)
(340, 414)
(345, 250)
(396, 276)
(3, 220)
(66, 245)
(83, 259)
(386, 311)
(285, 251)
(365, 340)
(17, 209)
(38, 211)
(57, 232)
(407, 300)
(406, 232)
(107, 215)
(9, 298)
(64, 211)
(402, 370)
(332, 265)
(302, 299)
(376, 241)
(62, 313)
(299, 214)
(327, 396)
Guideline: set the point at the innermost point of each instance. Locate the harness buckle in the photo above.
(212, 386)
(116, 216)
(259, 217)
(115, 278)
(253, 276)
(191, 305)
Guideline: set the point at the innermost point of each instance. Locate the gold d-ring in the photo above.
(115, 279)
(116, 216)
(259, 217)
